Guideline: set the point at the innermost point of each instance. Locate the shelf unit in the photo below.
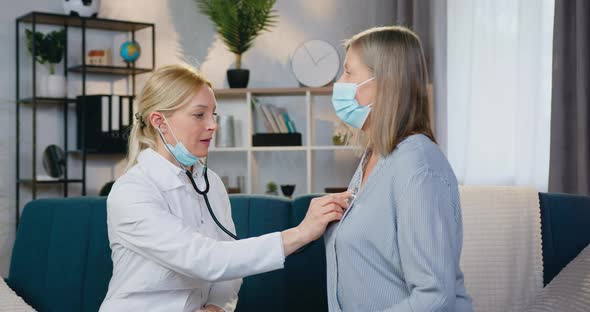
(32, 20)
(237, 103)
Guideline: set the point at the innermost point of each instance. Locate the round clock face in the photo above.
(315, 63)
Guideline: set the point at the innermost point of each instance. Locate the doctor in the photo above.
(168, 254)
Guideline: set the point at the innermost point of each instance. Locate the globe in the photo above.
(130, 51)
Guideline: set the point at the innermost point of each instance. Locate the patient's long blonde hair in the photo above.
(168, 89)
(401, 106)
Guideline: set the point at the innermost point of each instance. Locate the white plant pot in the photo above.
(55, 86)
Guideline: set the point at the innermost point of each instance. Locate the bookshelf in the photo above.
(315, 165)
(42, 120)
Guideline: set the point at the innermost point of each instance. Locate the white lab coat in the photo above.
(168, 255)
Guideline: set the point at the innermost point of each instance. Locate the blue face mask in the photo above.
(179, 151)
(346, 106)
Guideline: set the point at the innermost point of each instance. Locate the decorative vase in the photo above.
(224, 136)
(288, 189)
(238, 78)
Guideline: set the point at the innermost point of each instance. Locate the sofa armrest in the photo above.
(564, 228)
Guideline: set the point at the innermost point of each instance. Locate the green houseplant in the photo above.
(49, 51)
(271, 188)
(238, 23)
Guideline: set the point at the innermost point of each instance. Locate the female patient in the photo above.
(397, 247)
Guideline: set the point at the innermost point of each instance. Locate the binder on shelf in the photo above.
(276, 139)
(107, 122)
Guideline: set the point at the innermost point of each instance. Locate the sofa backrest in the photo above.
(302, 284)
(306, 270)
(254, 216)
(61, 259)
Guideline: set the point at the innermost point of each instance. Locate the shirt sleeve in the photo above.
(140, 219)
(428, 239)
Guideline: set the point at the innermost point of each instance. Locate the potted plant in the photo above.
(49, 51)
(271, 188)
(341, 134)
(238, 23)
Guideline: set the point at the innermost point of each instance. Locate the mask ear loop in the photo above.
(362, 83)
(204, 164)
(171, 131)
(169, 150)
(366, 81)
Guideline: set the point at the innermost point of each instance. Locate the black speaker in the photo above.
(105, 122)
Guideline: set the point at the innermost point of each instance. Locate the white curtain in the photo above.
(499, 91)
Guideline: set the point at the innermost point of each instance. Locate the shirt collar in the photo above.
(164, 173)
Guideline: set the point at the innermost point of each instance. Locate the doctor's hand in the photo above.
(321, 212)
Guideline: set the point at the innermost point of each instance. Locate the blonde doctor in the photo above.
(168, 254)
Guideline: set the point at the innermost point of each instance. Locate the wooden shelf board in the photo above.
(76, 21)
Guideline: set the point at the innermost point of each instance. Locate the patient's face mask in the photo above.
(347, 107)
(179, 151)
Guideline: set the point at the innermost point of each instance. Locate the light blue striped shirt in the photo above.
(398, 246)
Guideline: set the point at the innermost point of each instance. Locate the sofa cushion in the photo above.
(306, 270)
(565, 228)
(255, 215)
(61, 259)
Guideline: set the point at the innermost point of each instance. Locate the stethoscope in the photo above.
(194, 184)
(206, 190)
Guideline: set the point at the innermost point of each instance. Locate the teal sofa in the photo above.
(62, 261)
(61, 258)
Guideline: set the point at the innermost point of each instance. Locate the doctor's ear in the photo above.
(157, 120)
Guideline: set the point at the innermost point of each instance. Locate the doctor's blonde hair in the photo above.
(401, 106)
(168, 89)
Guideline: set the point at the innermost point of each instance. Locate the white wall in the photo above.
(181, 34)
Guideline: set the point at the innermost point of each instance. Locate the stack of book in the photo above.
(275, 119)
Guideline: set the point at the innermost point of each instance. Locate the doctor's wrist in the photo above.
(293, 239)
(213, 308)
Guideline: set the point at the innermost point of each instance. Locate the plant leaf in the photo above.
(49, 48)
(239, 22)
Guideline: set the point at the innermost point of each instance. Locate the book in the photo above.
(278, 112)
(260, 115)
(276, 119)
(289, 122)
(269, 116)
(292, 125)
